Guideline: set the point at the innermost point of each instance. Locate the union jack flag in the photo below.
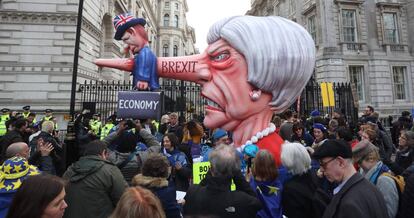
(122, 19)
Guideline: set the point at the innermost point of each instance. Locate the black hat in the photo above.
(26, 108)
(48, 111)
(5, 110)
(333, 148)
(97, 115)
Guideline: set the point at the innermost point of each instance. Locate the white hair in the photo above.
(48, 126)
(280, 54)
(295, 158)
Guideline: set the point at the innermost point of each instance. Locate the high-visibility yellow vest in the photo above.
(106, 129)
(95, 126)
(3, 119)
(26, 115)
(50, 118)
(156, 124)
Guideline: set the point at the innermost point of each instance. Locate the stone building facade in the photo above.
(37, 42)
(369, 43)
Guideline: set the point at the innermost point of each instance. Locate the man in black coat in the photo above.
(355, 196)
(13, 136)
(213, 197)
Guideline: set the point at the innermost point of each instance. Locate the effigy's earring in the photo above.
(255, 94)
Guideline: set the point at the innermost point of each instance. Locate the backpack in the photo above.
(400, 184)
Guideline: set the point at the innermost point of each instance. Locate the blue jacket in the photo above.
(146, 68)
(5, 202)
(164, 190)
(270, 194)
(180, 177)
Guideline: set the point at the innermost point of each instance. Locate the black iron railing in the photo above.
(185, 98)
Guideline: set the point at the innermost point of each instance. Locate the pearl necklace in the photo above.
(255, 138)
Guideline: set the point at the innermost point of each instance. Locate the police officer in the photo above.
(96, 124)
(27, 113)
(49, 117)
(108, 126)
(3, 119)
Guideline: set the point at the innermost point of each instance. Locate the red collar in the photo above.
(273, 143)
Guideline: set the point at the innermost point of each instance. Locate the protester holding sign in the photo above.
(213, 196)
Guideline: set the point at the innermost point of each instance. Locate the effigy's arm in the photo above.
(125, 64)
(187, 68)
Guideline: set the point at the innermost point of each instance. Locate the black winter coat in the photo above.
(213, 198)
(407, 198)
(300, 199)
(8, 139)
(358, 198)
(403, 160)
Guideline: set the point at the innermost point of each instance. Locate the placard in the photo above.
(200, 170)
(139, 104)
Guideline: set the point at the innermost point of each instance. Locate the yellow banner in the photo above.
(200, 170)
(327, 92)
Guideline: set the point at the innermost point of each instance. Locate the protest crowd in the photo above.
(143, 168)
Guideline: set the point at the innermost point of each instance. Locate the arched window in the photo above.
(175, 51)
(166, 20)
(165, 50)
(176, 21)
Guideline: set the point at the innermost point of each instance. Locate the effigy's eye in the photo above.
(222, 56)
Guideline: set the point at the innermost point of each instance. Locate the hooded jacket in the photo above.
(163, 190)
(213, 198)
(95, 187)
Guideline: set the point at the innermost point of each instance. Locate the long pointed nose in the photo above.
(192, 68)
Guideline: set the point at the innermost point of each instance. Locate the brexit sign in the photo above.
(139, 105)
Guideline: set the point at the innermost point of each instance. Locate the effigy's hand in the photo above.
(142, 85)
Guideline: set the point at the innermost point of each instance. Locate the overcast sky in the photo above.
(202, 14)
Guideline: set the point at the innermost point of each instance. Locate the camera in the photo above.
(130, 124)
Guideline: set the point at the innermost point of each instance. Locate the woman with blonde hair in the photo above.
(138, 202)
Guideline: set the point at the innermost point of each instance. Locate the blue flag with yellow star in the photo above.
(270, 194)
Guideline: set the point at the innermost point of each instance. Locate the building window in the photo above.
(176, 6)
(390, 28)
(349, 26)
(175, 51)
(312, 27)
(167, 4)
(165, 49)
(398, 75)
(176, 21)
(356, 77)
(166, 19)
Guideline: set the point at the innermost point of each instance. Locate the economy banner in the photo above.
(139, 105)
